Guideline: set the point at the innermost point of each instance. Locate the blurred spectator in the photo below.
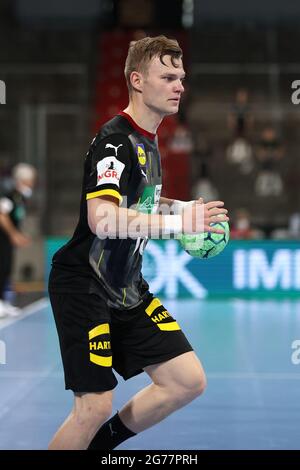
(185, 103)
(240, 118)
(202, 184)
(240, 122)
(5, 171)
(269, 152)
(137, 35)
(241, 228)
(181, 141)
(294, 225)
(279, 234)
(204, 188)
(135, 13)
(240, 153)
(203, 155)
(12, 212)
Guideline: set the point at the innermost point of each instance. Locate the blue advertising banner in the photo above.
(244, 269)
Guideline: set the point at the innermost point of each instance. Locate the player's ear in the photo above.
(136, 80)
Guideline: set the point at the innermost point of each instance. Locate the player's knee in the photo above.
(92, 413)
(192, 388)
(200, 385)
(196, 387)
(93, 416)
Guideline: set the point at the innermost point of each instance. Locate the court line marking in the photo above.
(255, 375)
(50, 373)
(30, 309)
(19, 392)
(30, 374)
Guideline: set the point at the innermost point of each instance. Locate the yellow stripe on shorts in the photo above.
(172, 326)
(153, 305)
(101, 360)
(99, 330)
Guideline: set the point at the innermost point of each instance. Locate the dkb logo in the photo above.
(2, 92)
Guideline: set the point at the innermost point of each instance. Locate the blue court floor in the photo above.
(251, 402)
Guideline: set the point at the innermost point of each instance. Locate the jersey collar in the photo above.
(136, 127)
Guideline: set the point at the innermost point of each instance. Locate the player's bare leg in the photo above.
(175, 383)
(90, 411)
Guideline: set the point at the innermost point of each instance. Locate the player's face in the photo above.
(162, 85)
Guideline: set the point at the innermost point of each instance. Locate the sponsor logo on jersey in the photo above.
(109, 171)
(115, 147)
(146, 205)
(144, 174)
(140, 149)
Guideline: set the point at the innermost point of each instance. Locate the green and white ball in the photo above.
(208, 244)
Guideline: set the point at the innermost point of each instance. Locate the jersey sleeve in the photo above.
(110, 167)
(6, 205)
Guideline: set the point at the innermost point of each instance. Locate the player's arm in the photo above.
(107, 220)
(174, 205)
(166, 201)
(109, 166)
(166, 206)
(15, 236)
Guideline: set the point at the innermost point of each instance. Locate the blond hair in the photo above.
(141, 53)
(23, 171)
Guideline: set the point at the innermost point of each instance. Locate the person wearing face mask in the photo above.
(12, 213)
(242, 229)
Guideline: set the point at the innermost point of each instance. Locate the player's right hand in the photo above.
(198, 217)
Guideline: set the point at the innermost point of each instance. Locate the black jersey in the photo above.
(12, 203)
(124, 162)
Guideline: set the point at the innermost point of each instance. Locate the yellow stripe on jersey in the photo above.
(153, 305)
(105, 192)
(101, 360)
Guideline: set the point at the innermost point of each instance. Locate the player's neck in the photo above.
(144, 117)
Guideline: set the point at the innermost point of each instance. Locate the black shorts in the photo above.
(94, 339)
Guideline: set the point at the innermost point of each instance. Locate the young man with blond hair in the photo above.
(105, 315)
